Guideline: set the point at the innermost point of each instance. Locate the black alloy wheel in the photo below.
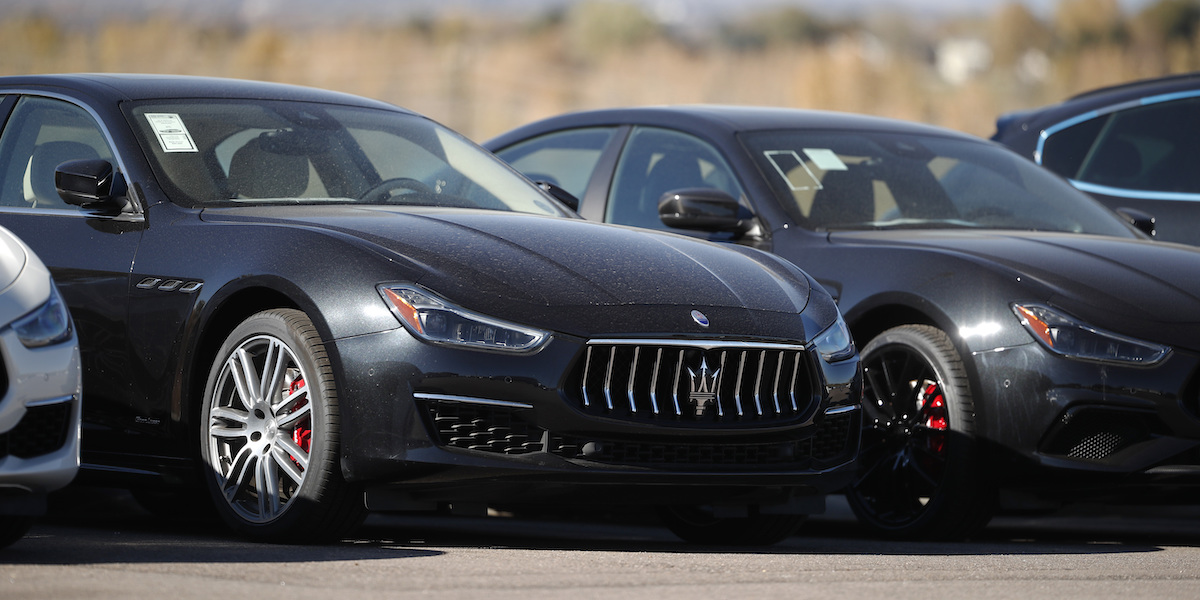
(919, 477)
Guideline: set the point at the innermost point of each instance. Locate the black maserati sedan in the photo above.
(1131, 146)
(1022, 345)
(315, 305)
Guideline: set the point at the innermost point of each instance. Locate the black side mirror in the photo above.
(704, 209)
(1142, 220)
(560, 194)
(91, 184)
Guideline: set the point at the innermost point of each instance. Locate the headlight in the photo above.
(834, 343)
(1066, 336)
(49, 324)
(435, 320)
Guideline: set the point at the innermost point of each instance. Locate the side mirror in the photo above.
(704, 209)
(1142, 220)
(91, 184)
(560, 194)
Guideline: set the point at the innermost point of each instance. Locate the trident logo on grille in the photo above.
(703, 387)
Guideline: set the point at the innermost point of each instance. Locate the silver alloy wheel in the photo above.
(260, 428)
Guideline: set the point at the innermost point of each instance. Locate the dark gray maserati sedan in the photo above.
(315, 304)
(1021, 343)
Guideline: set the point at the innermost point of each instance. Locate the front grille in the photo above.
(42, 430)
(696, 383)
(833, 435)
(504, 430)
(1095, 434)
(483, 427)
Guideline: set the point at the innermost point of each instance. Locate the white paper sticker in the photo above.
(825, 159)
(793, 170)
(172, 135)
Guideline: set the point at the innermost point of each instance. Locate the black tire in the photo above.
(920, 475)
(698, 526)
(283, 431)
(13, 529)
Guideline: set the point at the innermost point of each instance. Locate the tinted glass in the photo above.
(864, 180)
(42, 134)
(215, 153)
(656, 161)
(1065, 151)
(564, 158)
(1153, 147)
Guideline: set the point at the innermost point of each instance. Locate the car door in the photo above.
(90, 256)
(620, 173)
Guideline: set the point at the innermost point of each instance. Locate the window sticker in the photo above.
(172, 134)
(825, 159)
(792, 169)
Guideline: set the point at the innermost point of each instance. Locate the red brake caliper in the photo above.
(301, 435)
(933, 409)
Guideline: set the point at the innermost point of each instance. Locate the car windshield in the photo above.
(243, 152)
(867, 180)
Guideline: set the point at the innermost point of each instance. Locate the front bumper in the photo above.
(39, 422)
(430, 424)
(1062, 426)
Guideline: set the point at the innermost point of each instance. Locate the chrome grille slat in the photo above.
(795, 374)
(706, 383)
(587, 367)
(737, 392)
(762, 361)
(675, 392)
(654, 381)
(775, 387)
(612, 360)
(637, 353)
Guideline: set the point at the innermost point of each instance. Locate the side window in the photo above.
(656, 161)
(564, 158)
(1151, 147)
(1064, 152)
(42, 134)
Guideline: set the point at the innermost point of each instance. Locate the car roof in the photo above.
(1036, 119)
(129, 86)
(724, 119)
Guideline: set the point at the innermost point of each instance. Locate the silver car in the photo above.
(39, 389)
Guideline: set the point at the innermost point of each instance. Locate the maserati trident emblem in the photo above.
(699, 318)
(703, 387)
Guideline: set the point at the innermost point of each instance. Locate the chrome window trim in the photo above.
(138, 212)
(1099, 112)
(1134, 193)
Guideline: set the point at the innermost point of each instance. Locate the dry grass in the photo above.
(483, 79)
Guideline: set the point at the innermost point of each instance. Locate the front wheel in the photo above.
(698, 526)
(270, 434)
(920, 476)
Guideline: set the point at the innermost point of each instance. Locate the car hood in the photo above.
(1102, 280)
(565, 274)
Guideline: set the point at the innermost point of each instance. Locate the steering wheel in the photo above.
(382, 191)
